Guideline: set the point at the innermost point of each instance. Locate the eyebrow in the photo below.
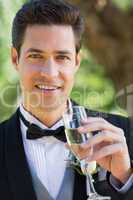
(63, 52)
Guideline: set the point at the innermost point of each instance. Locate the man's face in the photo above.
(47, 65)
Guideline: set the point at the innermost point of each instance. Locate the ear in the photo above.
(14, 57)
(78, 60)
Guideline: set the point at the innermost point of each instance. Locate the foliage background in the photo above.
(97, 82)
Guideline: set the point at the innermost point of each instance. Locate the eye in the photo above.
(62, 57)
(35, 55)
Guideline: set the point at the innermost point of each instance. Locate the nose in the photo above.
(50, 68)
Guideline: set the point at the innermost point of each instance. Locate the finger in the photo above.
(106, 151)
(93, 119)
(79, 151)
(96, 126)
(104, 136)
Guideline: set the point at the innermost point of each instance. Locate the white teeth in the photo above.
(45, 87)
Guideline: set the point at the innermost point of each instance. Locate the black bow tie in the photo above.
(35, 132)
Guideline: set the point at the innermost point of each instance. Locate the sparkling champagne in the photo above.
(75, 139)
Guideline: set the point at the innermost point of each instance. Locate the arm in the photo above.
(110, 149)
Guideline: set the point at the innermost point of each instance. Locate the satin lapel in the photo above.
(17, 168)
(79, 187)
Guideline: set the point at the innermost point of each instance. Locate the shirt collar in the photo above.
(29, 117)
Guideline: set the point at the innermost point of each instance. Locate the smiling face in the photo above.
(46, 65)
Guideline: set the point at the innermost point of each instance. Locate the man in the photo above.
(46, 38)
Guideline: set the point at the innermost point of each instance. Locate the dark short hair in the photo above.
(47, 12)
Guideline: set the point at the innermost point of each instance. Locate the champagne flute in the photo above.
(72, 120)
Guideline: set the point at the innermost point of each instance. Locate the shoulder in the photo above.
(112, 118)
(7, 131)
(116, 120)
(3, 124)
(13, 119)
(2, 128)
(2, 140)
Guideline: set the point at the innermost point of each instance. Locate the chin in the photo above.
(46, 102)
(52, 104)
(48, 108)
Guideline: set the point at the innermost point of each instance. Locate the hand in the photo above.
(109, 147)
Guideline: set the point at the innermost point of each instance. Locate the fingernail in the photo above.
(82, 145)
(86, 145)
(89, 158)
(85, 120)
(80, 129)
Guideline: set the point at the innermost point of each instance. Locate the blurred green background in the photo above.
(107, 60)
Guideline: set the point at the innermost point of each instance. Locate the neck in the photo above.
(47, 117)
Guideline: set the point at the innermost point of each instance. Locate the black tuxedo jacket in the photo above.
(15, 177)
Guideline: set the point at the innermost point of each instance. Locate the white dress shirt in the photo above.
(46, 156)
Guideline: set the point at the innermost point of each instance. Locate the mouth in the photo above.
(47, 88)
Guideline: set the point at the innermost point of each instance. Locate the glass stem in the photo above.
(91, 188)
